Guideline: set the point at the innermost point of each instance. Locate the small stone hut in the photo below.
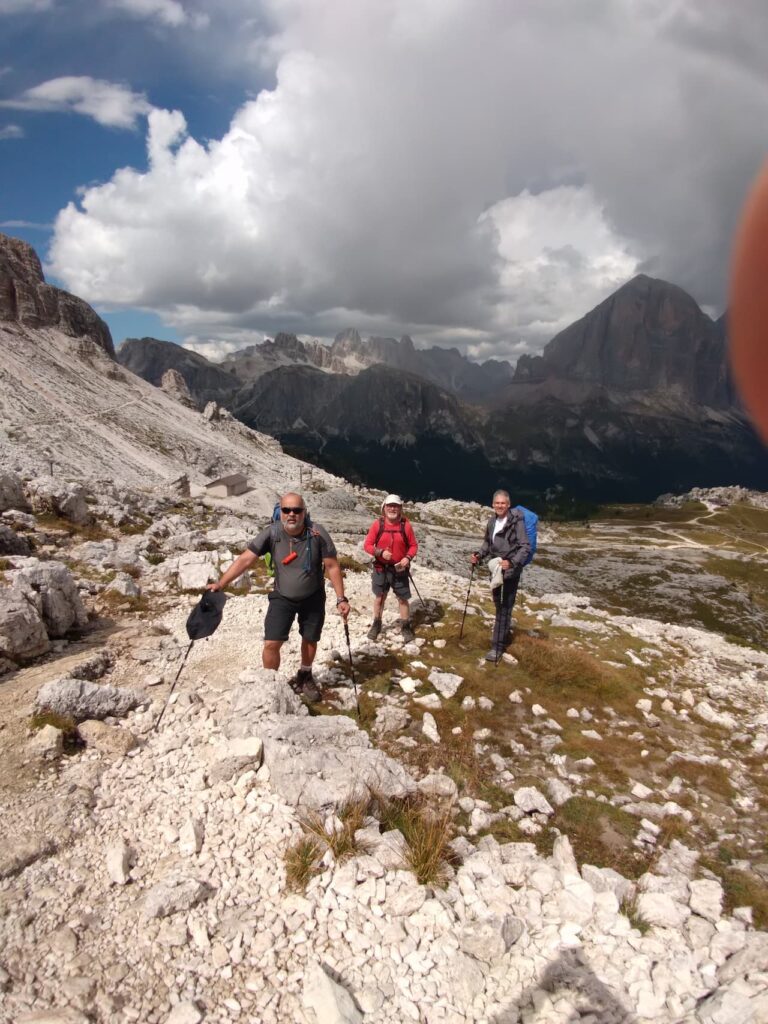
(227, 486)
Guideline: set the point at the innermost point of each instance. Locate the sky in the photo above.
(474, 173)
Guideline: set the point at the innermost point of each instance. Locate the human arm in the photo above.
(484, 549)
(238, 567)
(333, 571)
(373, 545)
(407, 543)
(369, 544)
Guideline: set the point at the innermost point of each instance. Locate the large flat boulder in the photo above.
(81, 699)
(51, 588)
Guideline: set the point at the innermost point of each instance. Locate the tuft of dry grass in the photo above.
(341, 841)
(302, 861)
(427, 832)
(629, 909)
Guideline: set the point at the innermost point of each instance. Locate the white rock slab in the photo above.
(119, 862)
(446, 683)
(530, 800)
(184, 1013)
(330, 1003)
(429, 728)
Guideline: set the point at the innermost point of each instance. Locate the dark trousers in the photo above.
(504, 599)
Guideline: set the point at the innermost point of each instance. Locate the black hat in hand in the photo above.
(205, 617)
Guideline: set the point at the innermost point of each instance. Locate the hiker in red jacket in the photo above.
(393, 546)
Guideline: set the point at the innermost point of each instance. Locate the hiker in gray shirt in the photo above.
(301, 556)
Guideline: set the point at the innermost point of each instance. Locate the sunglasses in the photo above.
(287, 509)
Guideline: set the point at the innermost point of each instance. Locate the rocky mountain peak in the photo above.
(26, 299)
(347, 342)
(649, 336)
(290, 344)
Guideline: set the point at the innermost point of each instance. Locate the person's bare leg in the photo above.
(378, 605)
(308, 652)
(270, 654)
(404, 608)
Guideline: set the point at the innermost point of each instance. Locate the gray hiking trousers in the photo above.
(504, 599)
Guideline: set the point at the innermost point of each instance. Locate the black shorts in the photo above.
(282, 611)
(382, 582)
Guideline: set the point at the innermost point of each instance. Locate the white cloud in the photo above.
(23, 6)
(166, 12)
(11, 131)
(25, 224)
(109, 104)
(471, 173)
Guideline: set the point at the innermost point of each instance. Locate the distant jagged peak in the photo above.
(26, 299)
(347, 341)
(289, 343)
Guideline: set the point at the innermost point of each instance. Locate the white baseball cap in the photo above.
(392, 499)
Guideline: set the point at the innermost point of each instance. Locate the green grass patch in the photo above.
(744, 889)
(601, 834)
(649, 513)
(65, 723)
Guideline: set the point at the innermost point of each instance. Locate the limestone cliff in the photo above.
(26, 299)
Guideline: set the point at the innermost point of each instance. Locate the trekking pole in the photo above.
(499, 650)
(351, 667)
(461, 631)
(410, 577)
(173, 684)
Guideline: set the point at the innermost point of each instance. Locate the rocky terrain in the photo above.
(595, 804)
(634, 398)
(576, 833)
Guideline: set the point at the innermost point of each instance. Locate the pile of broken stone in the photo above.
(143, 879)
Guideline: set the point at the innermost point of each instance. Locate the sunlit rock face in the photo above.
(649, 336)
(26, 299)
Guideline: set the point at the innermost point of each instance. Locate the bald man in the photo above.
(301, 555)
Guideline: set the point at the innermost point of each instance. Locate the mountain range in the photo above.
(633, 399)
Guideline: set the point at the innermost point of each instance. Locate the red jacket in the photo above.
(392, 538)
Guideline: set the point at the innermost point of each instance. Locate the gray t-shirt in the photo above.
(302, 576)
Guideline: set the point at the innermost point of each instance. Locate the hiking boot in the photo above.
(406, 631)
(304, 685)
(493, 655)
(373, 632)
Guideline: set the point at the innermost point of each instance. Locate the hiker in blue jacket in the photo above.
(505, 539)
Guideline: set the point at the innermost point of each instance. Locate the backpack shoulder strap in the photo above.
(382, 525)
(381, 531)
